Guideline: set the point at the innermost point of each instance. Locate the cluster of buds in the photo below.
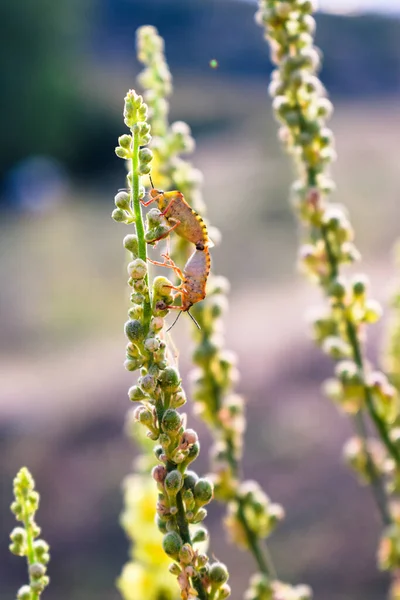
(182, 496)
(216, 373)
(25, 540)
(170, 141)
(252, 515)
(213, 381)
(262, 588)
(191, 564)
(132, 147)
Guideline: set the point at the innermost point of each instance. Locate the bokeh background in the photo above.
(64, 69)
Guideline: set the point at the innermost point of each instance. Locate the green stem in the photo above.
(184, 532)
(376, 481)
(260, 552)
(30, 550)
(262, 556)
(137, 209)
(379, 423)
(377, 490)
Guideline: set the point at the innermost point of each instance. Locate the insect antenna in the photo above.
(151, 181)
(193, 319)
(179, 314)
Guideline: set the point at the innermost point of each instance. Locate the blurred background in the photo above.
(64, 69)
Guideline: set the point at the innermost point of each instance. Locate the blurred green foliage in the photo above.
(42, 66)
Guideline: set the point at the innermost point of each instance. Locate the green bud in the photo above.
(360, 286)
(148, 383)
(172, 543)
(122, 200)
(122, 153)
(36, 570)
(131, 243)
(135, 394)
(335, 347)
(144, 169)
(224, 592)
(18, 535)
(156, 324)
(132, 364)
(203, 491)
(137, 269)
(173, 482)
(145, 417)
(190, 480)
(325, 108)
(145, 155)
(119, 215)
(125, 141)
(200, 535)
(186, 554)
(337, 289)
(169, 379)
(24, 593)
(134, 330)
(198, 517)
(218, 574)
(172, 420)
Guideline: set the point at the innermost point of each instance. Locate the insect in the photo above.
(194, 279)
(186, 222)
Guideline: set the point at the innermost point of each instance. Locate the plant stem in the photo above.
(377, 489)
(261, 555)
(31, 552)
(137, 209)
(376, 481)
(260, 551)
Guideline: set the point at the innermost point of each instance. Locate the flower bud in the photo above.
(218, 574)
(159, 473)
(134, 330)
(122, 152)
(132, 364)
(173, 482)
(148, 383)
(198, 517)
(186, 554)
(119, 215)
(203, 491)
(224, 592)
(172, 543)
(131, 243)
(174, 569)
(18, 535)
(190, 480)
(125, 141)
(156, 324)
(189, 437)
(145, 155)
(122, 200)
(36, 570)
(200, 535)
(137, 269)
(169, 379)
(171, 421)
(24, 593)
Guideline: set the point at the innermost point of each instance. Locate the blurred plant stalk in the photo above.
(251, 516)
(302, 109)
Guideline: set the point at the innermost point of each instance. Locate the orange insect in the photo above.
(186, 222)
(194, 279)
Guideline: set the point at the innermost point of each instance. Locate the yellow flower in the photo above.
(136, 582)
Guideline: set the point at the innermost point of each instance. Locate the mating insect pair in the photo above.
(188, 224)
